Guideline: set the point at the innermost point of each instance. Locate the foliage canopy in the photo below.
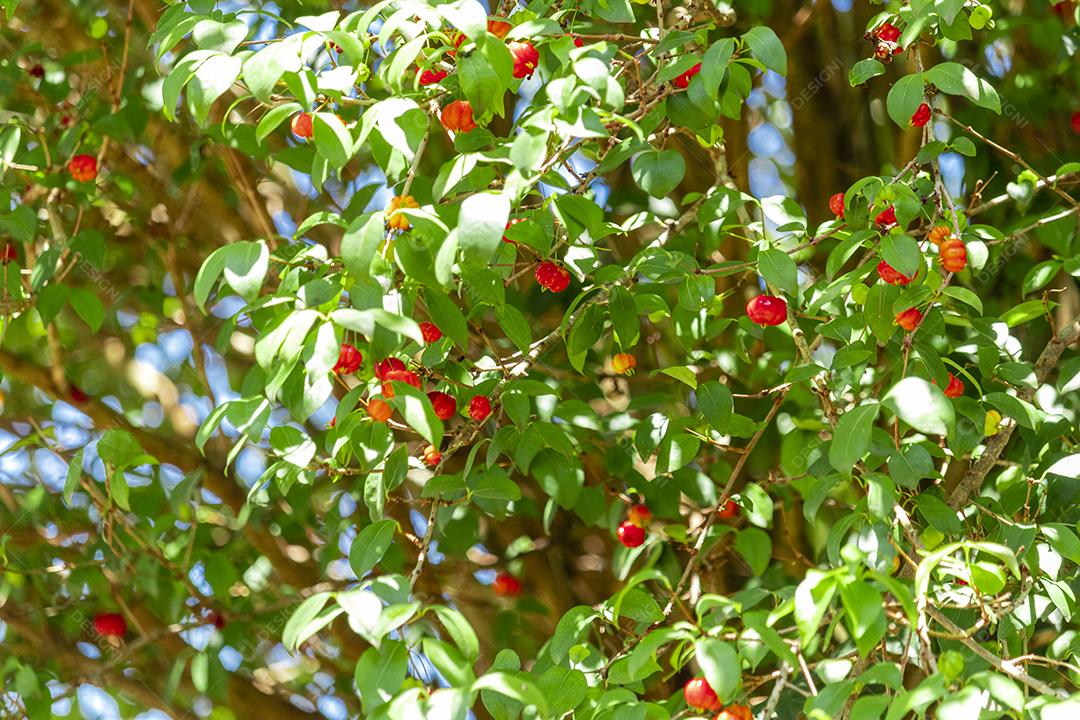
(345, 346)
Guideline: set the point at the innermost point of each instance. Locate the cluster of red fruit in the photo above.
(393, 370)
(457, 115)
(700, 696)
(631, 532)
(885, 39)
(951, 251)
(953, 256)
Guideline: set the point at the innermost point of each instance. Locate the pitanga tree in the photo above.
(593, 360)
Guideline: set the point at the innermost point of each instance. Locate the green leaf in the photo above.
(720, 663)
(683, 374)
(447, 316)
(263, 70)
(716, 404)
(415, 407)
(513, 686)
(880, 495)
(448, 661)
(904, 99)
(74, 472)
(1063, 539)
(964, 146)
(514, 325)
(1017, 373)
(219, 36)
(299, 626)
(878, 310)
(851, 439)
(398, 70)
(1040, 276)
(1019, 410)
(864, 70)
(812, 599)
(955, 79)
(584, 333)
(714, 64)
(120, 449)
(208, 275)
(245, 267)
(1005, 691)
(380, 673)
(939, 515)
(480, 82)
(364, 322)
(766, 47)
(779, 270)
(211, 80)
(274, 117)
(678, 449)
(565, 689)
(965, 296)
(370, 545)
(87, 306)
(843, 252)
(866, 615)
(624, 317)
(361, 242)
(481, 224)
(1025, 312)
(922, 406)
(9, 145)
(911, 465)
(569, 630)
(755, 547)
(459, 629)
(50, 301)
(118, 490)
(902, 253)
(658, 172)
(332, 139)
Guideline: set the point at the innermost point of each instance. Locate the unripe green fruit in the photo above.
(980, 16)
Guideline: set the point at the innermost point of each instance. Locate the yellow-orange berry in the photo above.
(909, 319)
(432, 456)
(379, 410)
(396, 220)
(938, 233)
(639, 515)
(624, 363)
(953, 254)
